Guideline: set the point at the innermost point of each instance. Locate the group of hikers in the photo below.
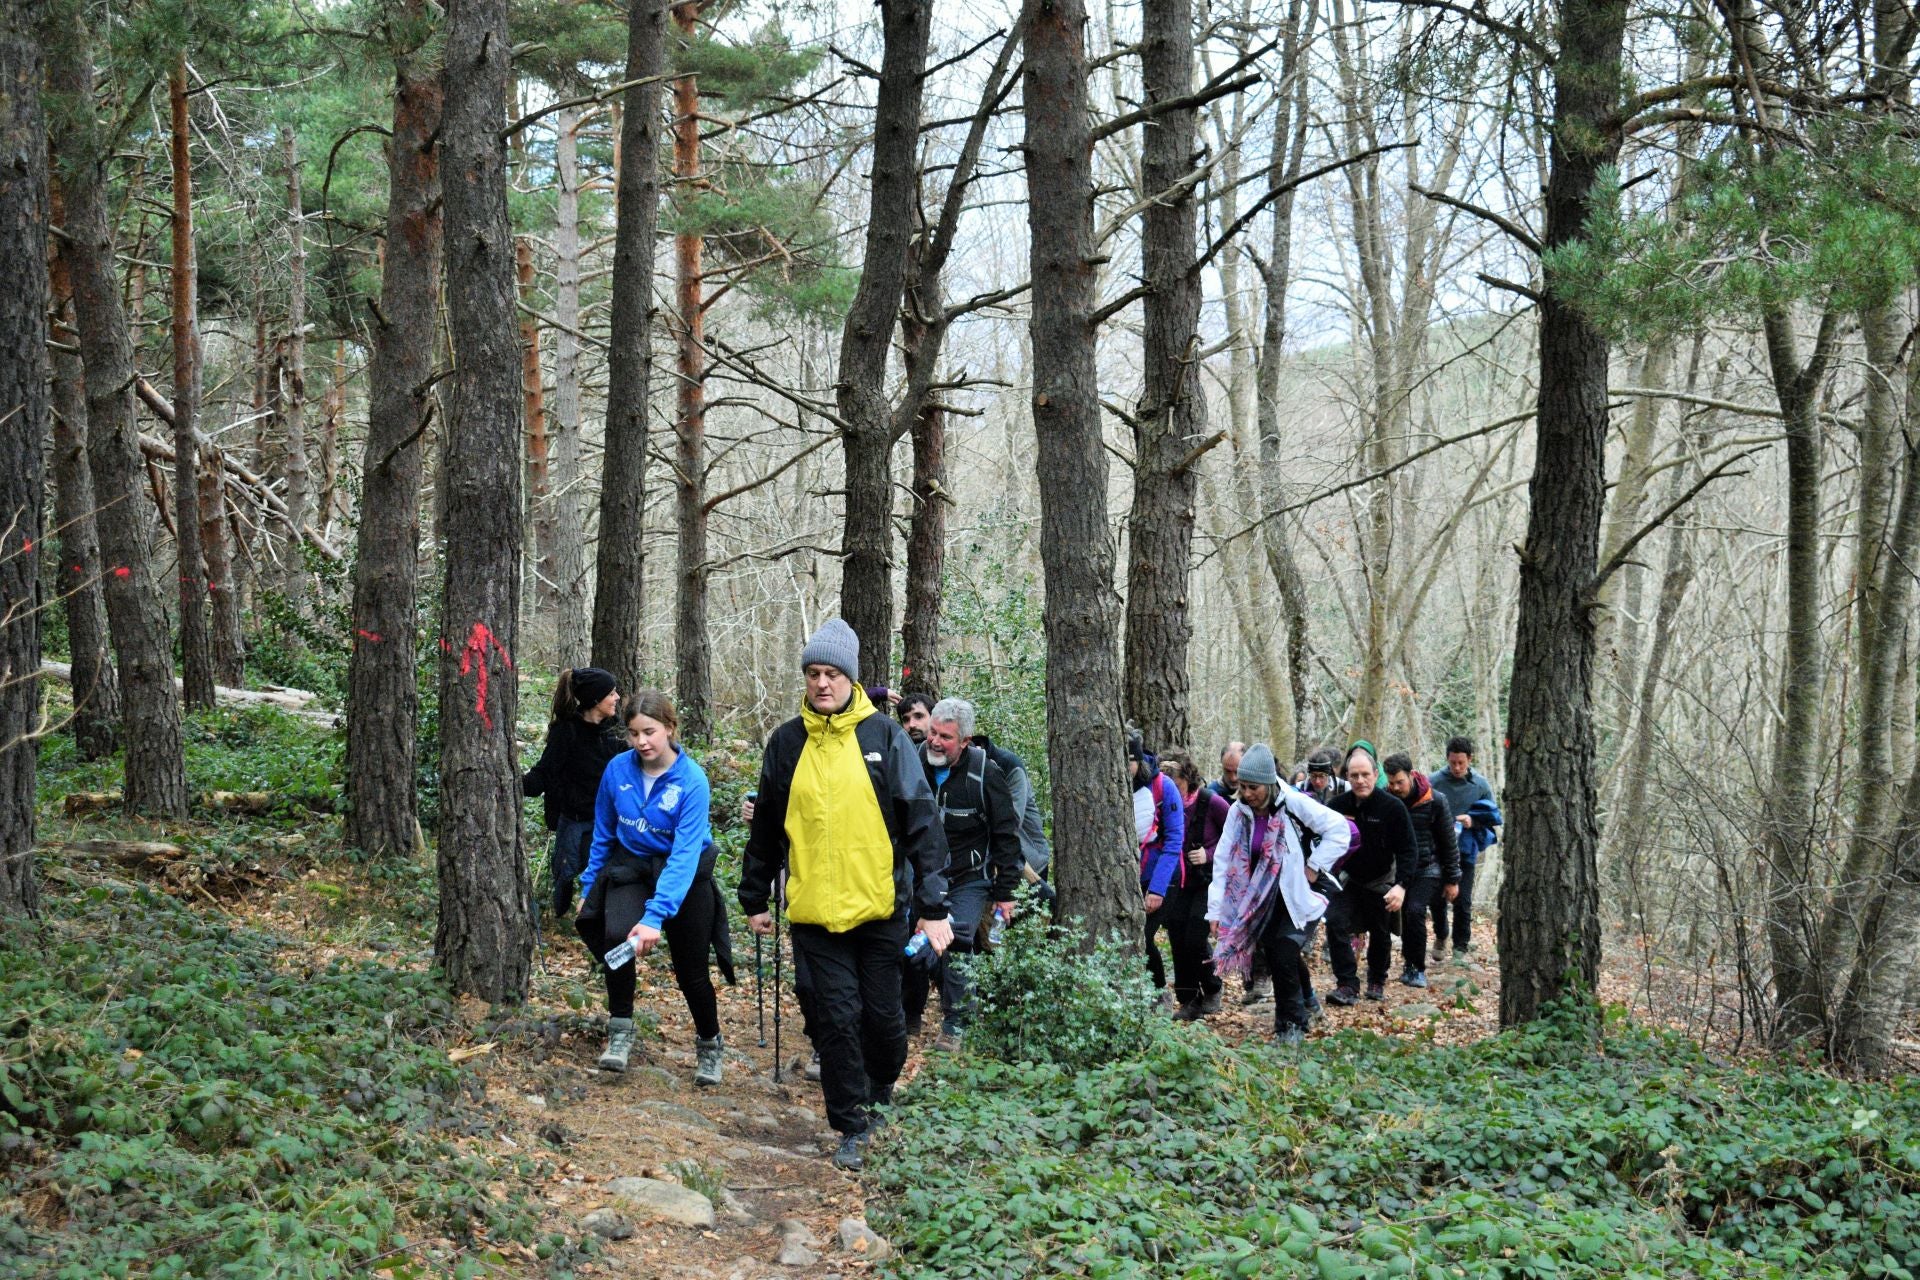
(894, 842)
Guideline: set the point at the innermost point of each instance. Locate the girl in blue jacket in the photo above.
(650, 872)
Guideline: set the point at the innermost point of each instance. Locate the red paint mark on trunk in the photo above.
(479, 641)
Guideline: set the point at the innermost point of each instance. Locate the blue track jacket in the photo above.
(672, 823)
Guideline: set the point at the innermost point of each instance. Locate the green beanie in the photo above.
(1361, 744)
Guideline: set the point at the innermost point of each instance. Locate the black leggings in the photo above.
(617, 902)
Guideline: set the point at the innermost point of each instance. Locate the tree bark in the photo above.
(1093, 828)
(569, 566)
(1172, 414)
(383, 695)
(692, 657)
(484, 937)
(1549, 929)
(866, 574)
(291, 384)
(156, 779)
(196, 645)
(25, 408)
(533, 397)
(620, 558)
(333, 420)
(95, 687)
(926, 554)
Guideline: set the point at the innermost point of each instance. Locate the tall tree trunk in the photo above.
(569, 564)
(533, 398)
(291, 385)
(926, 553)
(619, 560)
(96, 689)
(1172, 413)
(1549, 897)
(383, 695)
(333, 421)
(1800, 973)
(1890, 956)
(484, 938)
(866, 574)
(25, 410)
(1093, 825)
(692, 664)
(156, 777)
(196, 646)
(216, 548)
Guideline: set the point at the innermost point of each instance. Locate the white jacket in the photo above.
(1236, 837)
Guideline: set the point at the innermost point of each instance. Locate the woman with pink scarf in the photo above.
(1262, 896)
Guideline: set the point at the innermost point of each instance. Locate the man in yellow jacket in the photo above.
(844, 806)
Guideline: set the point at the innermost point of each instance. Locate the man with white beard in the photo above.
(984, 859)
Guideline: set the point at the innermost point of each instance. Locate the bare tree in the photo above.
(866, 582)
(569, 566)
(290, 380)
(1091, 827)
(383, 695)
(484, 937)
(24, 413)
(620, 557)
(196, 645)
(156, 777)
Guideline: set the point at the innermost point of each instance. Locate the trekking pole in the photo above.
(760, 989)
(778, 899)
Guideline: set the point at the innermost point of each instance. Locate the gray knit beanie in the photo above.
(1257, 766)
(836, 645)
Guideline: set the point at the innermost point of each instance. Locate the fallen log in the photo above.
(255, 803)
(127, 853)
(296, 702)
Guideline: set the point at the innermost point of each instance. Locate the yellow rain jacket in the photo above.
(820, 811)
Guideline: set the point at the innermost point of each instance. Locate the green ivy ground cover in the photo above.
(1566, 1150)
(181, 1097)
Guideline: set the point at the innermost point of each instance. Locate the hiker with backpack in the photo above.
(1277, 849)
(982, 827)
(1160, 820)
(1477, 814)
(1375, 880)
(1438, 858)
(1196, 988)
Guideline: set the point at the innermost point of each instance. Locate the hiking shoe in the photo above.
(1209, 1004)
(1415, 978)
(1376, 991)
(1343, 996)
(1258, 990)
(812, 1070)
(1460, 956)
(1188, 1011)
(851, 1154)
(948, 1041)
(708, 1057)
(1289, 1036)
(1315, 1011)
(619, 1044)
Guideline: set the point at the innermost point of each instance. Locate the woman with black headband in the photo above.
(581, 738)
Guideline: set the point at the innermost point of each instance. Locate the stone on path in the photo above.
(1418, 1010)
(794, 1254)
(794, 1229)
(610, 1223)
(674, 1111)
(668, 1201)
(857, 1237)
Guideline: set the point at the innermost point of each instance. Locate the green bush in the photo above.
(230, 748)
(1564, 1150)
(182, 1098)
(1041, 999)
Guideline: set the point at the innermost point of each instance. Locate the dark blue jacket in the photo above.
(1472, 796)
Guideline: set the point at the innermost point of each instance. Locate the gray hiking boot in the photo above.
(708, 1056)
(812, 1070)
(851, 1155)
(619, 1044)
(1258, 990)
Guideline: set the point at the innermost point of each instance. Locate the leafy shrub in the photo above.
(1042, 999)
(1566, 1150)
(182, 1098)
(229, 748)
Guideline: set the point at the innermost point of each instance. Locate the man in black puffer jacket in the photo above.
(1439, 858)
(1377, 878)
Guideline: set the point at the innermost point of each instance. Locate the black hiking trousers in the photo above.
(854, 1014)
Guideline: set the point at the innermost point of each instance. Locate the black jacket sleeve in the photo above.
(1446, 838)
(544, 774)
(766, 852)
(919, 836)
(1004, 857)
(1397, 827)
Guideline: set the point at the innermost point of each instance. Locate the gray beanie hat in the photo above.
(836, 645)
(1257, 767)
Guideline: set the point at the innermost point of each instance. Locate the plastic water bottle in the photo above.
(920, 950)
(998, 933)
(620, 955)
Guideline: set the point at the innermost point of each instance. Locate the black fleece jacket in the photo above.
(568, 771)
(1387, 849)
